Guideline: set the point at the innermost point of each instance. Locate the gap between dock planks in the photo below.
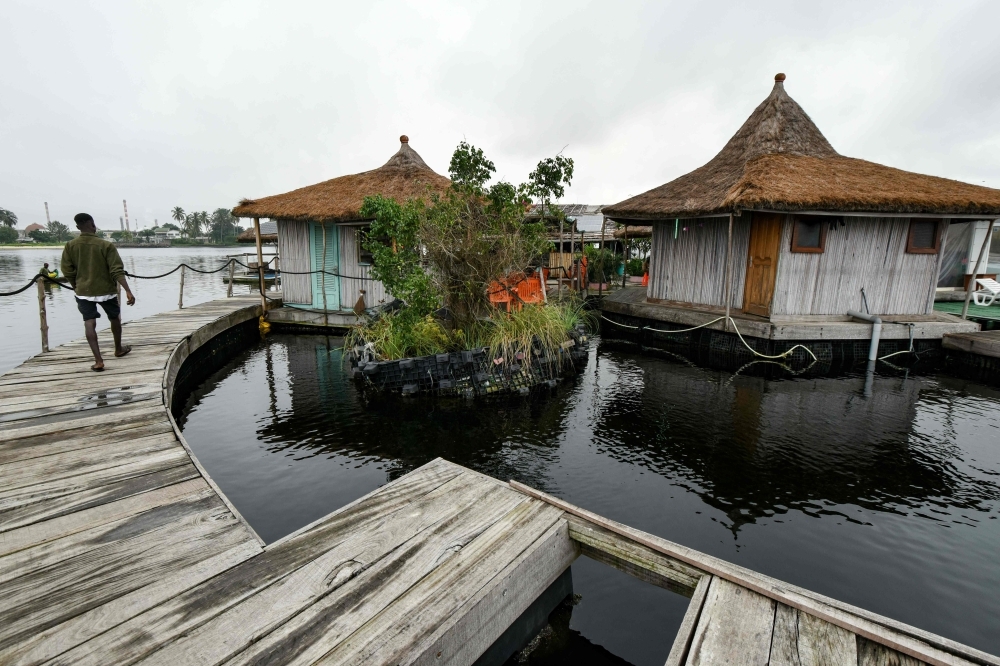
(888, 633)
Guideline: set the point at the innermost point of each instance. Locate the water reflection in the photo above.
(754, 447)
(889, 502)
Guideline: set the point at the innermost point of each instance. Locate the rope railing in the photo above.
(40, 279)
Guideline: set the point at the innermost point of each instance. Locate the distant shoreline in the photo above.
(126, 246)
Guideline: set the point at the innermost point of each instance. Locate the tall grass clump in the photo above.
(544, 326)
(396, 335)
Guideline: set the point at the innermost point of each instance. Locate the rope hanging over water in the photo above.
(32, 281)
(784, 354)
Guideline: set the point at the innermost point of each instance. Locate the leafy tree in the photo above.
(222, 225)
(192, 225)
(122, 236)
(394, 244)
(60, 232)
(8, 234)
(40, 236)
(7, 218)
(172, 227)
(146, 234)
(469, 167)
(476, 235)
(549, 180)
(178, 214)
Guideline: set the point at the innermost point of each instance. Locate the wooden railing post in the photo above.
(43, 319)
(260, 267)
(180, 297)
(232, 267)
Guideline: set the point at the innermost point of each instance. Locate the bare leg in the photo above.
(116, 330)
(90, 326)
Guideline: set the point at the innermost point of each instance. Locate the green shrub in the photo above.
(601, 264)
(634, 267)
(8, 235)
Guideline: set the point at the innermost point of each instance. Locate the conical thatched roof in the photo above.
(779, 160)
(404, 176)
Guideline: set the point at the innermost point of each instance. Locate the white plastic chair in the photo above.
(988, 292)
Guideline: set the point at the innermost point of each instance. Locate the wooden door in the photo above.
(762, 263)
(325, 244)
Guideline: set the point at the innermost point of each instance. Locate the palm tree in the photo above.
(192, 225)
(177, 213)
(8, 218)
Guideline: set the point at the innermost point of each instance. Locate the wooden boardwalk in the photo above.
(116, 547)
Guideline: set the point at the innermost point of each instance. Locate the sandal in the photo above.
(126, 349)
(96, 369)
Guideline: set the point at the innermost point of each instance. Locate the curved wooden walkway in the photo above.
(116, 548)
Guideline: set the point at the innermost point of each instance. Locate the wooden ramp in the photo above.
(117, 548)
(980, 343)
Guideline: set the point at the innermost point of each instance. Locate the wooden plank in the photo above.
(135, 557)
(682, 641)
(12, 498)
(43, 445)
(34, 400)
(133, 639)
(17, 540)
(53, 425)
(470, 630)
(734, 627)
(246, 622)
(81, 542)
(903, 638)
(82, 461)
(100, 489)
(634, 559)
(390, 636)
(873, 654)
(59, 639)
(335, 620)
(801, 639)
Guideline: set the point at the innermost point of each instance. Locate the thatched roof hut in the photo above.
(404, 176)
(780, 161)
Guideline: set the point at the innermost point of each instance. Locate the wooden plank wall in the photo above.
(293, 248)
(868, 252)
(692, 267)
(350, 289)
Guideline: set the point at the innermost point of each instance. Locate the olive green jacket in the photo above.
(92, 265)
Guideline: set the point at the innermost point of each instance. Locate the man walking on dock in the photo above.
(93, 268)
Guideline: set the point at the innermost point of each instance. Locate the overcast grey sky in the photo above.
(199, 104)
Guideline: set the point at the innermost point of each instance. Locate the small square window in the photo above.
(809, 233)
(364, 256)
(923, 237)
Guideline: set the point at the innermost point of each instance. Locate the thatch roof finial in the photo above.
(404, 139)
(779, 77)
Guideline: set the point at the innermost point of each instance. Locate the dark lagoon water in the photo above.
(890, 502)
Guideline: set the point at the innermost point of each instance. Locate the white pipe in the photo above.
(876, 331)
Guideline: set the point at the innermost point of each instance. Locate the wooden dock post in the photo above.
(260, 265)
(232, 268)
(729, 272)
(975, 269)
(180, 297)
(42, 318)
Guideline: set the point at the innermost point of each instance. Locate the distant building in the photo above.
(161, 235)
(25, 234)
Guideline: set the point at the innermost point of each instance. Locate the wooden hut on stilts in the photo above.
(782, 236)
(325, 272)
